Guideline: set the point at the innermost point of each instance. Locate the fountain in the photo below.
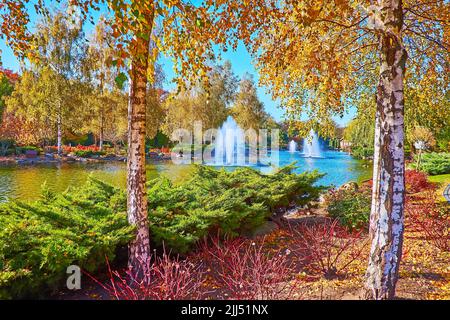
(292, 146)
(230, 144)
(311, 146)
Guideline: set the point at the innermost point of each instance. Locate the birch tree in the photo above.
(46, 91)
(319, 56)
(247, 109)
(99, 71)
(207, 102)
(181, 35)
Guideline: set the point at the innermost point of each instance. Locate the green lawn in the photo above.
(441, 178)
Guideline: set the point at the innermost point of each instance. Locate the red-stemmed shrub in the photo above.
(177, 279)
(428, 216)
(417, 181)
(250, 271)
(327, 247)
(167, 279)
(69, 149)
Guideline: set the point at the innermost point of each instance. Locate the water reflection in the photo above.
(24, 182)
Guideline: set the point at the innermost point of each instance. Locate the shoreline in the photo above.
(15, 160)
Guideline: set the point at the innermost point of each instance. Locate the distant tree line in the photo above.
(70, 88)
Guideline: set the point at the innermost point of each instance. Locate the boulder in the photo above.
(351, 186)
(267, 228)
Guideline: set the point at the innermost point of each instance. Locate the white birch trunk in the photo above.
(139, 248)
(386, 220)
(59, 133)
(101, 135)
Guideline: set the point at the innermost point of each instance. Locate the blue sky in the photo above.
(240, 60)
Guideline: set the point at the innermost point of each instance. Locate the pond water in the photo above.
(24, 181)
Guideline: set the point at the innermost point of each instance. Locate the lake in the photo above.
(24, 181)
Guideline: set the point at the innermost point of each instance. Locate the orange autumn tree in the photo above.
(321, 57)
(12, 127)
(143, 29)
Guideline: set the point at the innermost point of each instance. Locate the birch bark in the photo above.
(59, 130)
(386, 220)
(139, 248)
